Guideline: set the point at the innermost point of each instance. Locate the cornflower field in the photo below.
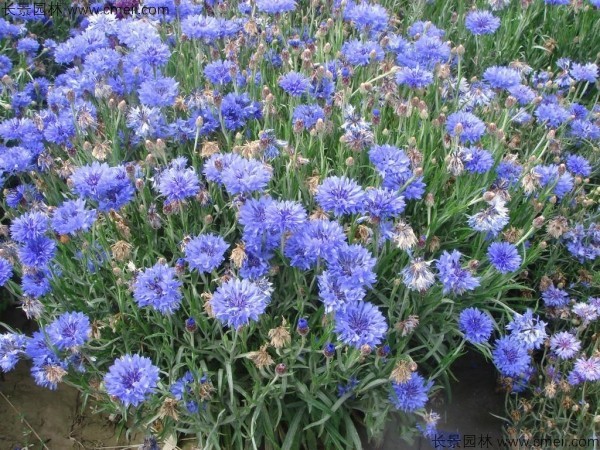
(277, 224)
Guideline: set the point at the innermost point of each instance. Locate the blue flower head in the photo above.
(410, 395)
(69, 330)
(360, 323)
(238, 302)
(205, 252)
(476, 325)
(131, 379)
(158, 288)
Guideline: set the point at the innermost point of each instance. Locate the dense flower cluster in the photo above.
(302, 203)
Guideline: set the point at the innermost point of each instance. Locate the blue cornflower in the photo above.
(552, 114)
(476, 325)
(425, 28)
(244, 176)
(382, 203)
(111, 187)
(182, 388)
(524, 94)
(318, 239)
(275, 6)
(417, 276)
(255, 266)
(69, 330)
(206, 252)
(294, 83)
(585, 72)
(72, 216)
(37, 252)
(5, 65)
(478, 160)
(352, 266)
(158, 288)
(308, 115)
(220, 72)
(481, 22)
(392, 164)
(565, 345)
(509, 171)
(584, 129)
(414, 78)
(22, 195)
(465, 125)
(6, 270)
(504, 257)
(197, 26)
(12, 346)
(579, 165)
(348, 388)
(358, 53)
(131, 379)
(411, 394)
(253, 214)
(335, 295)
(217, 163)
(491, 219)
(529, 330)
(502, 77)
(550, 175)
(177, 182)
(36, 283)
(285, 216)
(29, 226)
(429, 51)
(159, 92)
(454, 278)
(341, 195)
(510, 356)
(555, 298)
(145, 121)
(587, 369)
(238, 109)
(238, 302)
(360, 323)
(367, 18)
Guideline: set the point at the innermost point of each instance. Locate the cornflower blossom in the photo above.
(220, 72)
(359, 53)
(504, 257)
(565, 345)
(454, 278)
(334, 295)
(414, 78)
(510, 356)
(131, 379)
(417, 276)
(588, 313)
(29, 226)
(205, 252)
(492, 219)
(236, 303)
(158, 288)
(275, 6)
(12, 347)
(476, 325)
(367, 18)
(465, 126)
(360, 323)
(316, 240)
(382, 204)
(481, 22)
(352, 266)
(588, 369)
(69, 330)
(109, 186)
(308, 115)
(294, 83)
(6, 270)
(502, 77)
(529, 330)
(72, 217)
(410, 395)
(555, 298)
(177, 183)
(244, 176)
(585, 72)
(283, 216)
(341, 195)
(38, 252)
